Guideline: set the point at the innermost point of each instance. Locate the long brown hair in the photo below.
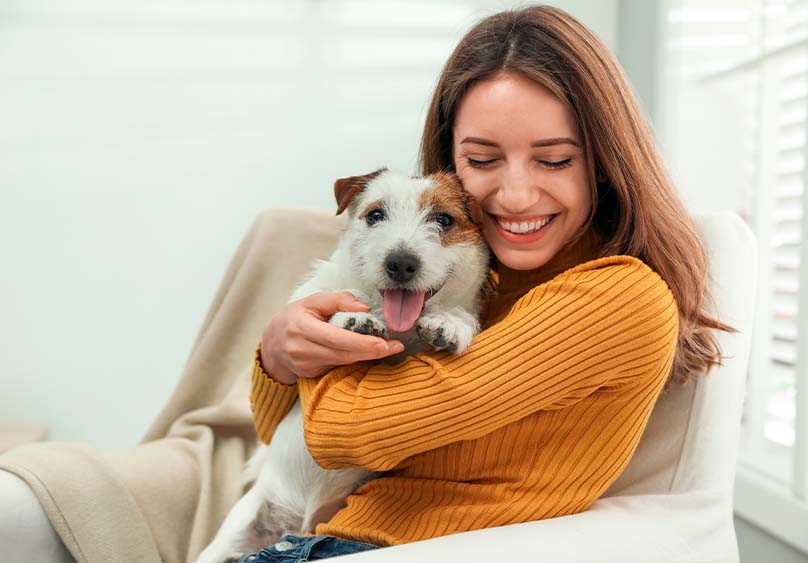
(635, 204)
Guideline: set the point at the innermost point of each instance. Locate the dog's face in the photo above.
(410, 238)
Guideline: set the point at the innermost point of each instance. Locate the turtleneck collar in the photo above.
(584, 249)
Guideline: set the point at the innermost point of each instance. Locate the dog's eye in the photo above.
(375, 216)
(444, 220)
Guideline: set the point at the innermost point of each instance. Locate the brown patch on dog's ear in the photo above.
(446, 195)
(475, 212)
(345, 189)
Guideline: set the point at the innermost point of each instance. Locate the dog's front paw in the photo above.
(363, 323)
(447, 332)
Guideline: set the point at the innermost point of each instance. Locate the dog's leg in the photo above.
(237, 534)
(363, 323)
(451, 330)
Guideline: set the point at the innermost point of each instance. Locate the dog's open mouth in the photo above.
(402, 307)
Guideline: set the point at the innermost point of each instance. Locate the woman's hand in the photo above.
(299, 342)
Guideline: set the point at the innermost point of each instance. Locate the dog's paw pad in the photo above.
(370, 327)
(443, 334)
(439, 340)
(363, 323)
(437, 337)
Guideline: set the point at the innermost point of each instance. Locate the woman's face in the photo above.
(516, 148)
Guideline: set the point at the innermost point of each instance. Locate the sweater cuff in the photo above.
(270, 401)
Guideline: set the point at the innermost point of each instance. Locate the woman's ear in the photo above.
(601, 177)
(346, 189)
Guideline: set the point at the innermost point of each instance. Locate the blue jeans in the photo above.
(294, 549)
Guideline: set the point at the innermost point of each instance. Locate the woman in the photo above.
(601, 283)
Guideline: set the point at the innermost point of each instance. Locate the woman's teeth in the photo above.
(523, 227)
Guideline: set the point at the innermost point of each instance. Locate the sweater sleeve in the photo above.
(600, 325)
(270, 401)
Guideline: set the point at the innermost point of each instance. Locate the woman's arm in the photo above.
(299, 342)
(603, 324)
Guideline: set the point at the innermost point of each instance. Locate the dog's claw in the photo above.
(369, 327)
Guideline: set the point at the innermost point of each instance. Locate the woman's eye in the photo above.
(375, 216)
(474, 163)
(444, 220)
(556, 163)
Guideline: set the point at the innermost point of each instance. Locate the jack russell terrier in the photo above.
(413, 251)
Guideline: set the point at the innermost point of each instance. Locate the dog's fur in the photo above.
(407, 239)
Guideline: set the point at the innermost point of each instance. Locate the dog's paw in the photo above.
(363, 323)
(446, 332)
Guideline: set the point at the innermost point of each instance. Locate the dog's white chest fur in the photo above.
(413, 252)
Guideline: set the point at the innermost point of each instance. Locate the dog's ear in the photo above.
(473, 209)
(345, 189)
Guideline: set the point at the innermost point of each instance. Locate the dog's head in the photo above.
(412, 239)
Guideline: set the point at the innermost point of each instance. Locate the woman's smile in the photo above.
(520, 230)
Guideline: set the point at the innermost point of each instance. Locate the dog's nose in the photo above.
(402, 266)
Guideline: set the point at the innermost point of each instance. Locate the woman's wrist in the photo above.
(264, 363)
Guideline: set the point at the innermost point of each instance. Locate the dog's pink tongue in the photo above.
(402, 308)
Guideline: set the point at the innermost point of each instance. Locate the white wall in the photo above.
(703, 125)
(137, 142)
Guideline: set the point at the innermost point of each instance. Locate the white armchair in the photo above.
(674, 501)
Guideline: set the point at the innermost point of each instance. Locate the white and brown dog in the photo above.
(412, 251)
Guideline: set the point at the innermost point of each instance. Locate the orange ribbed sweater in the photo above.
(534, 421)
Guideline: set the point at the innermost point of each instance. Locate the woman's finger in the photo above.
(320, 359)
(331, 336)
(324, 305)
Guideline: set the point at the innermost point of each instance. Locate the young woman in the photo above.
(600, 280)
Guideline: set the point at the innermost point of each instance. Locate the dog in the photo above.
(413, 251)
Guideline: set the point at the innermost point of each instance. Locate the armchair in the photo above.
(164, 499)
(674, 500)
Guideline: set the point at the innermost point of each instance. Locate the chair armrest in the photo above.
(691, 527)
(12, 435)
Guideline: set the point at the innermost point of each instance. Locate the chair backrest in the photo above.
(691, 441)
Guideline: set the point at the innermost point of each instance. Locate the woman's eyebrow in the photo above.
(556, 141)
(540, 143)
(479, 141)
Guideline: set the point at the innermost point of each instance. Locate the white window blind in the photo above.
(741, 67)
(788, 180)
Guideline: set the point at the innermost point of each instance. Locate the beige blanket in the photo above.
(164, 499)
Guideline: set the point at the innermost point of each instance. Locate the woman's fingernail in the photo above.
(395, 347)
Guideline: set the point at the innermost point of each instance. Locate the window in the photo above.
(737, 128)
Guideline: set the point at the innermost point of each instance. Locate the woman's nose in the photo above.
(518, 192)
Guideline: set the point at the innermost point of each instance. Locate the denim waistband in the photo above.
(293, 549)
